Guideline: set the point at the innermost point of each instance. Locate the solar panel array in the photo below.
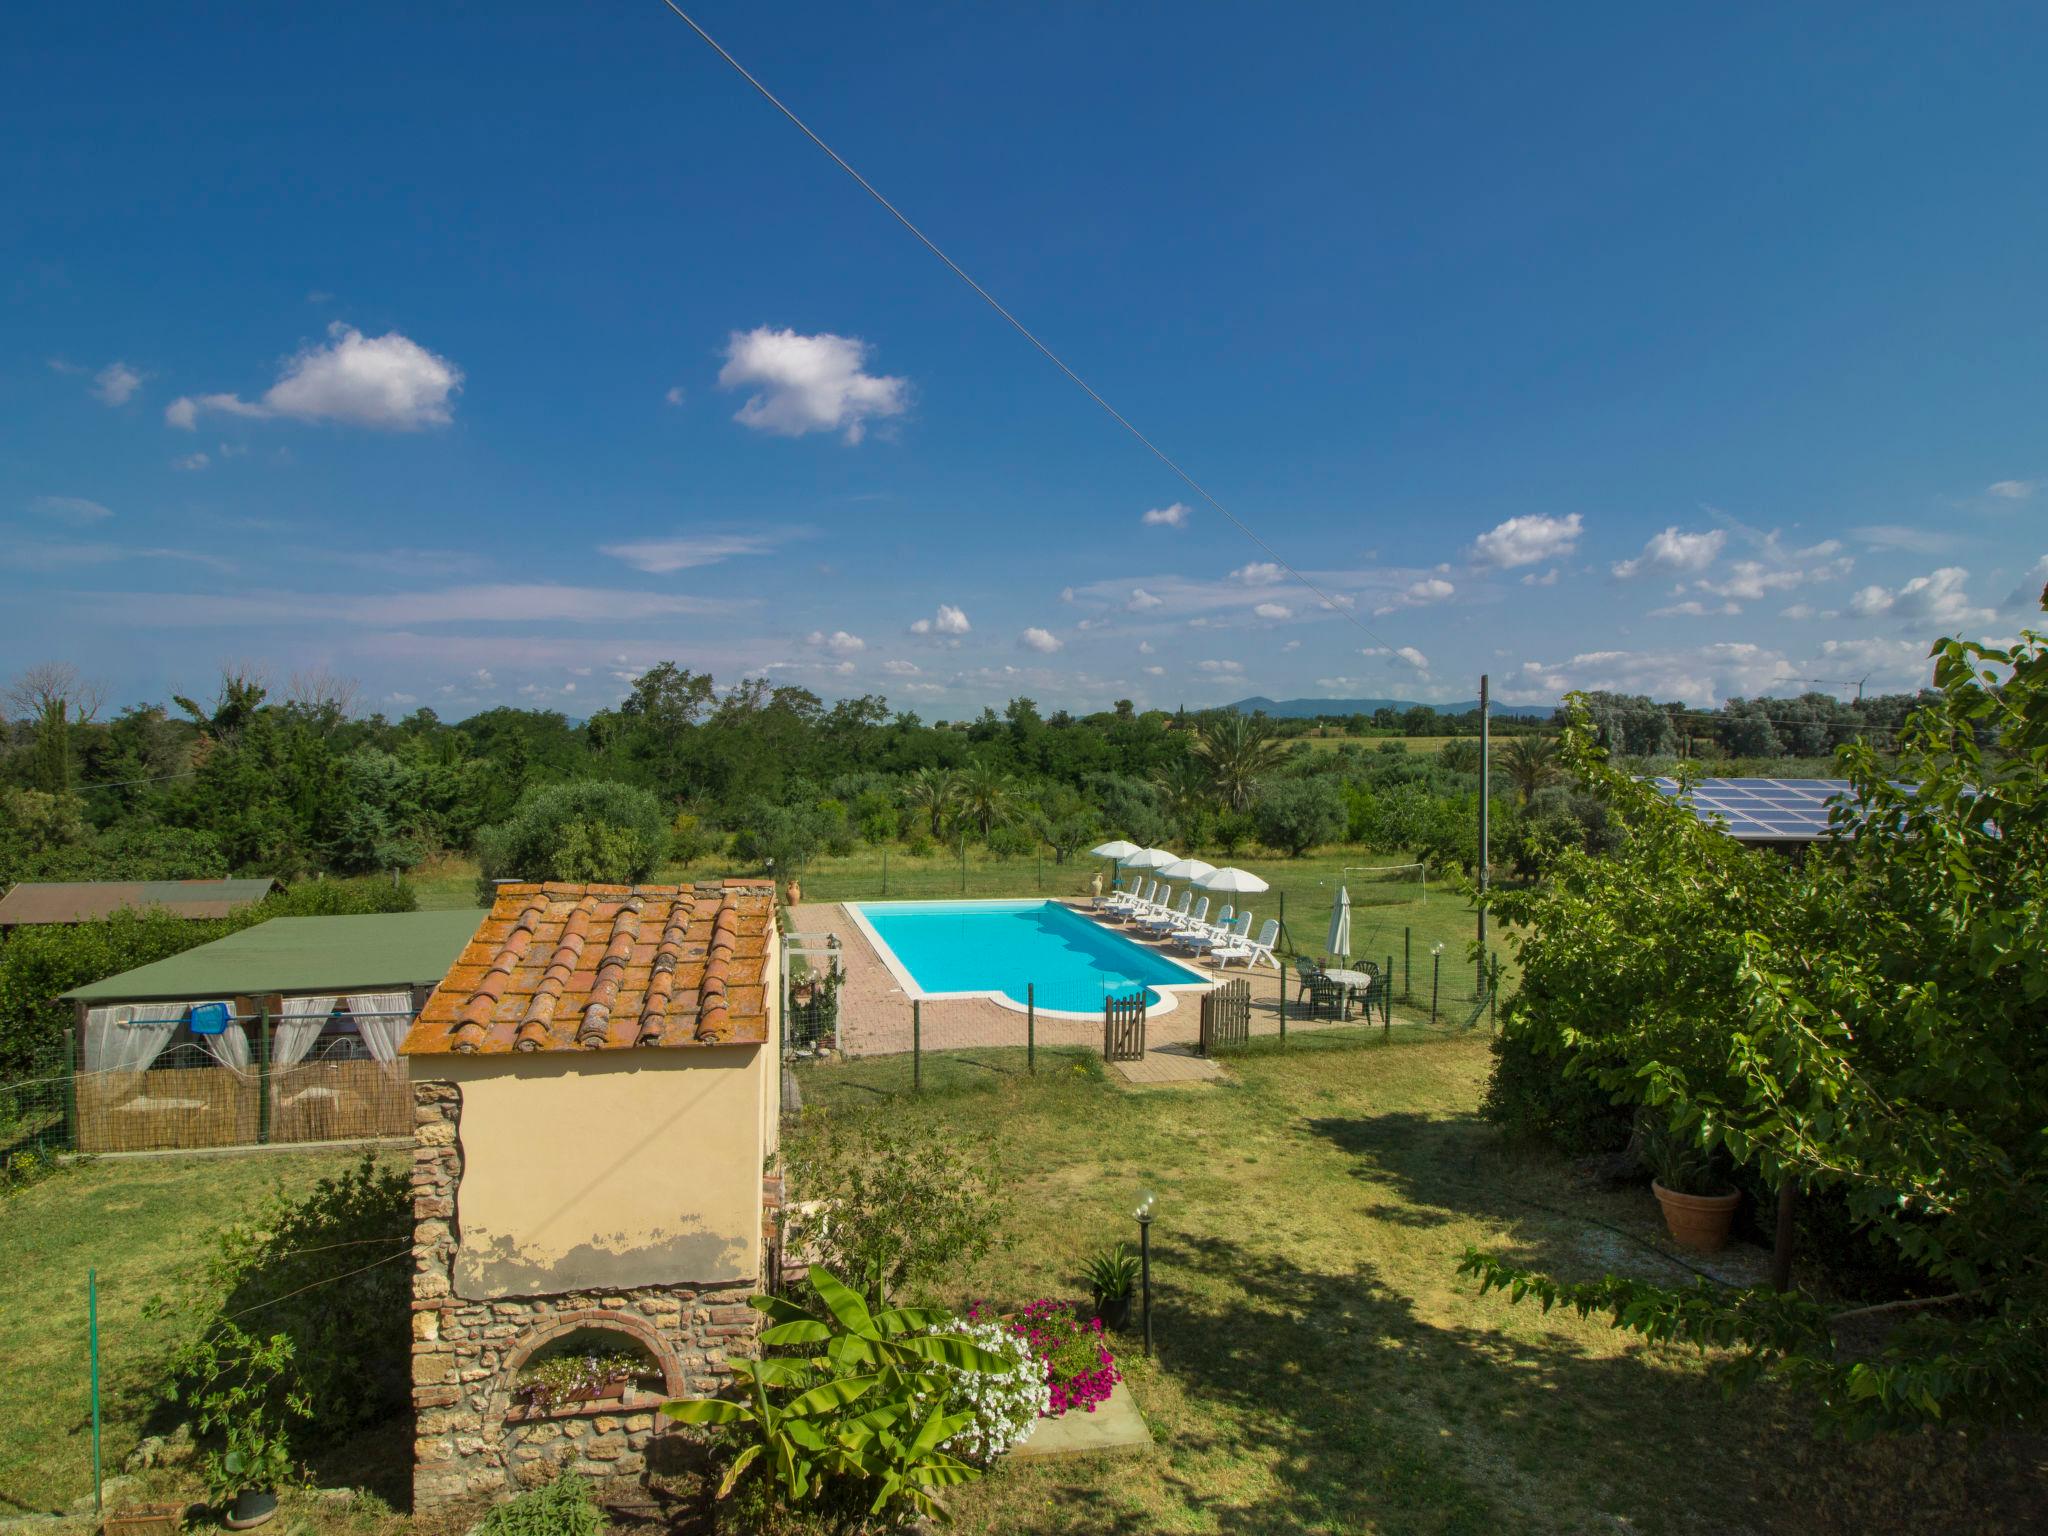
(1765, 810)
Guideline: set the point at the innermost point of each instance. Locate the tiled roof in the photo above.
(600, 967)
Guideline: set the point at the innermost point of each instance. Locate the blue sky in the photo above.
(491, 354)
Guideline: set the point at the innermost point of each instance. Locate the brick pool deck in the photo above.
(874, 1012)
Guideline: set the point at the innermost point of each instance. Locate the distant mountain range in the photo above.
(1299, 709)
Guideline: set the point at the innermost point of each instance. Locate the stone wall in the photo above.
(469, 1439)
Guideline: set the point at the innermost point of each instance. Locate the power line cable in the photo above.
(1336, 605)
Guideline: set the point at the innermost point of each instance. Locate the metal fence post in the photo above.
(885, 872)
(92, 1330)
(916, 1045)
(1031, 1027)
(71, 1090)
(1387, 994)
(262, 1073)
(1283, 1010)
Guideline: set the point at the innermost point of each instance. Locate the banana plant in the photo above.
(798, 1412)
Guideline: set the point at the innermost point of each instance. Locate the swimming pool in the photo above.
(993, 949)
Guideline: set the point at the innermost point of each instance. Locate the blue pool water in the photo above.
(1000, 946)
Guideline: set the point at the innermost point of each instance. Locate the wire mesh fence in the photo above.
(187, 1099)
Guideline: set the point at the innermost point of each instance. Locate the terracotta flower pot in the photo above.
(1698, 1222)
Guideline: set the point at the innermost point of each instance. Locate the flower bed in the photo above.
(1080, 1371)
(1005, 1403)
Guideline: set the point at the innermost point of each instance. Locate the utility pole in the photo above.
(1485, 787)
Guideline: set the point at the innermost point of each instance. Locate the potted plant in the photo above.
(1112, 1274)
(1698, 1205)
(564, 1381)
(242, 1386)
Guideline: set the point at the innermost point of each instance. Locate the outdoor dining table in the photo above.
(1354, 983)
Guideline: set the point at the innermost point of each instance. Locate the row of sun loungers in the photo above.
(1186, 925)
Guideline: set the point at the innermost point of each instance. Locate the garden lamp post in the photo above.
(1144, 1214)
(1436, 967)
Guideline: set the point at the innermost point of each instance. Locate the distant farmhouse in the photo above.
(35, 902)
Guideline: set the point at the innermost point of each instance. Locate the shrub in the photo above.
(1530, 1095)
(565, 1507)
(1013, 841)
(920, 845)
(244, 1394)
(585, 829)
(900, 1202)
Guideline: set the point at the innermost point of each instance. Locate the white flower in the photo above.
(1005, 1403)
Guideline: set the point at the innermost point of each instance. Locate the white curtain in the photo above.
(129, 1036)
(231, 1046)
(304, 1018)
(382, 1018)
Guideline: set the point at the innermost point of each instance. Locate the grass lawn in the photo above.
(1322, 1367)
(140, 1222)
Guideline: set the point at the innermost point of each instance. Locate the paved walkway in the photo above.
(874, 1013)
(1169, 1064)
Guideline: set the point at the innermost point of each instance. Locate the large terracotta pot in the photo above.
(794, 892)
(1698, 1222)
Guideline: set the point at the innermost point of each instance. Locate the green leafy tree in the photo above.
(586, 829)
(1238, 753)
(931, 794)
(1865, 1027)
(1184, 793)
(1529, 764)
(986, 795)
(1294, 815)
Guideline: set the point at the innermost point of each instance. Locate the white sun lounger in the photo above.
(1124, 903)
(1253, 953)
(1167, 919)
(1196, 921)
(1229, 931)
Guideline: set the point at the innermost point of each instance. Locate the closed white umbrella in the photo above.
(1186, 869)
(1340, 925)
(1231, 882)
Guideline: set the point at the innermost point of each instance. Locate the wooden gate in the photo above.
(1123, 1028)
(1226, 1017)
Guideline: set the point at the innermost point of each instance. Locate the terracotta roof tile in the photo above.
(679, 965)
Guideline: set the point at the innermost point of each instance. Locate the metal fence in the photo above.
(188, 1100)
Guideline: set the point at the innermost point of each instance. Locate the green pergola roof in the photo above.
(300, 954)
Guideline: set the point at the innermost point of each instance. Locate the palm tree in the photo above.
(1530, 762)
(931, 792)
(1183, 787)
(985, 794)
(1237, 751)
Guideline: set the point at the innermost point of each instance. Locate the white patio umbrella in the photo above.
(1231, 881)
(1187, 869)
(1119, 850)
(1340, 925)
(1147, 860)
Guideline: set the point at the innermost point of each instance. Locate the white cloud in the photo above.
(1693, 608)
(1260, 573)
(1292, 645)
(38, 555)
(1273, 611)
(1547, 579)
(1675, 551)
(1749, 580)
(808, 383)
(659, 557)
(1915, 541)
(898, 668)
(116, 383)
(1224, 668)
(1066, 594)
(389, 382)
(191, 461)
(1701, 675)
(1417, 594)
(1936, 598)
(1155, 671)
(1528, 540)
(1413, 657)
(948, 621)
(1144, 647)
(675, 394)
(485, 603)
(2013, 490)
(839, 642)
(71, 509)
(1175, 516)
(1043, 641)
(1142, 601)
(2026, 597)
(1797, 611)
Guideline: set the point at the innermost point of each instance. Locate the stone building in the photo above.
(596, 1094)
